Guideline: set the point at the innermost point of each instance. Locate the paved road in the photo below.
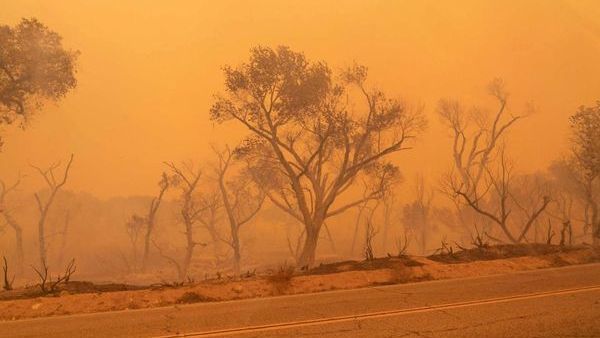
(543, 303)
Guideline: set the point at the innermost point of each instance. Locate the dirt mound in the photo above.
(193, 297)
(73, 287)
(375, 264)
(500, 252)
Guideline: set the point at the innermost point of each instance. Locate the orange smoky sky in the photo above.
(148, 71)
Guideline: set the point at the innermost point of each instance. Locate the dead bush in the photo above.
(47, 285)
(8, 284)
(401, 246)
(193, 297)
(557, 261)
(479, 241)
(444, 249)
(370, 235)
(165, 284)
(281, 279)
(249, 274)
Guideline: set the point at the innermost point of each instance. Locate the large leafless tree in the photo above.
(478, 139)
(313, 133)
(476, 136)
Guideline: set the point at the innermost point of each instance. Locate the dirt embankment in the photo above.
(84, 297)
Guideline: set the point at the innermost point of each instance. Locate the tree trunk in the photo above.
(356, 226)
(63, 243)
(595, 224)
(216, 245)
(330, 238)
(509, 235)
(18, 240)
(595, 213)
(237, 257)
(151, 219)
(309, 249)
(187, 260)
(423, 239)
(146, 253)
(42, 241)
(19, 245)
(386, 226)
(189, 252)
(234, 228)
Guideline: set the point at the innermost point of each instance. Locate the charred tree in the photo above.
(6, 213)
(241, 199)
(186, 179)
(53, 186)
(150, 219)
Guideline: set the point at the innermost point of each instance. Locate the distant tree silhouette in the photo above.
(482, 182)
(476, 137)
(6, 213)
(138, 224)
(418, 213)
(572, 195)
(150, 219)
(241, 200)
(186, 178)
(585, 156)
(211, 219)
(54, 185)
(134, 227)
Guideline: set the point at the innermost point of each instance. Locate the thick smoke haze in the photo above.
(149, 76)
(355, 168)
(148, 72)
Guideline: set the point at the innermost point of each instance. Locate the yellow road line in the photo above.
(380, 314)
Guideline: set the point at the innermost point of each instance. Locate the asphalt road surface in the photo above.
(561, 302)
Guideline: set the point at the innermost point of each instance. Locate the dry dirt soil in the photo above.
(84, 297)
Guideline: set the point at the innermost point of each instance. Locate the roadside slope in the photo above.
(239, 314)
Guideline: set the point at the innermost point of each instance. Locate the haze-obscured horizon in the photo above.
(148, 71)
